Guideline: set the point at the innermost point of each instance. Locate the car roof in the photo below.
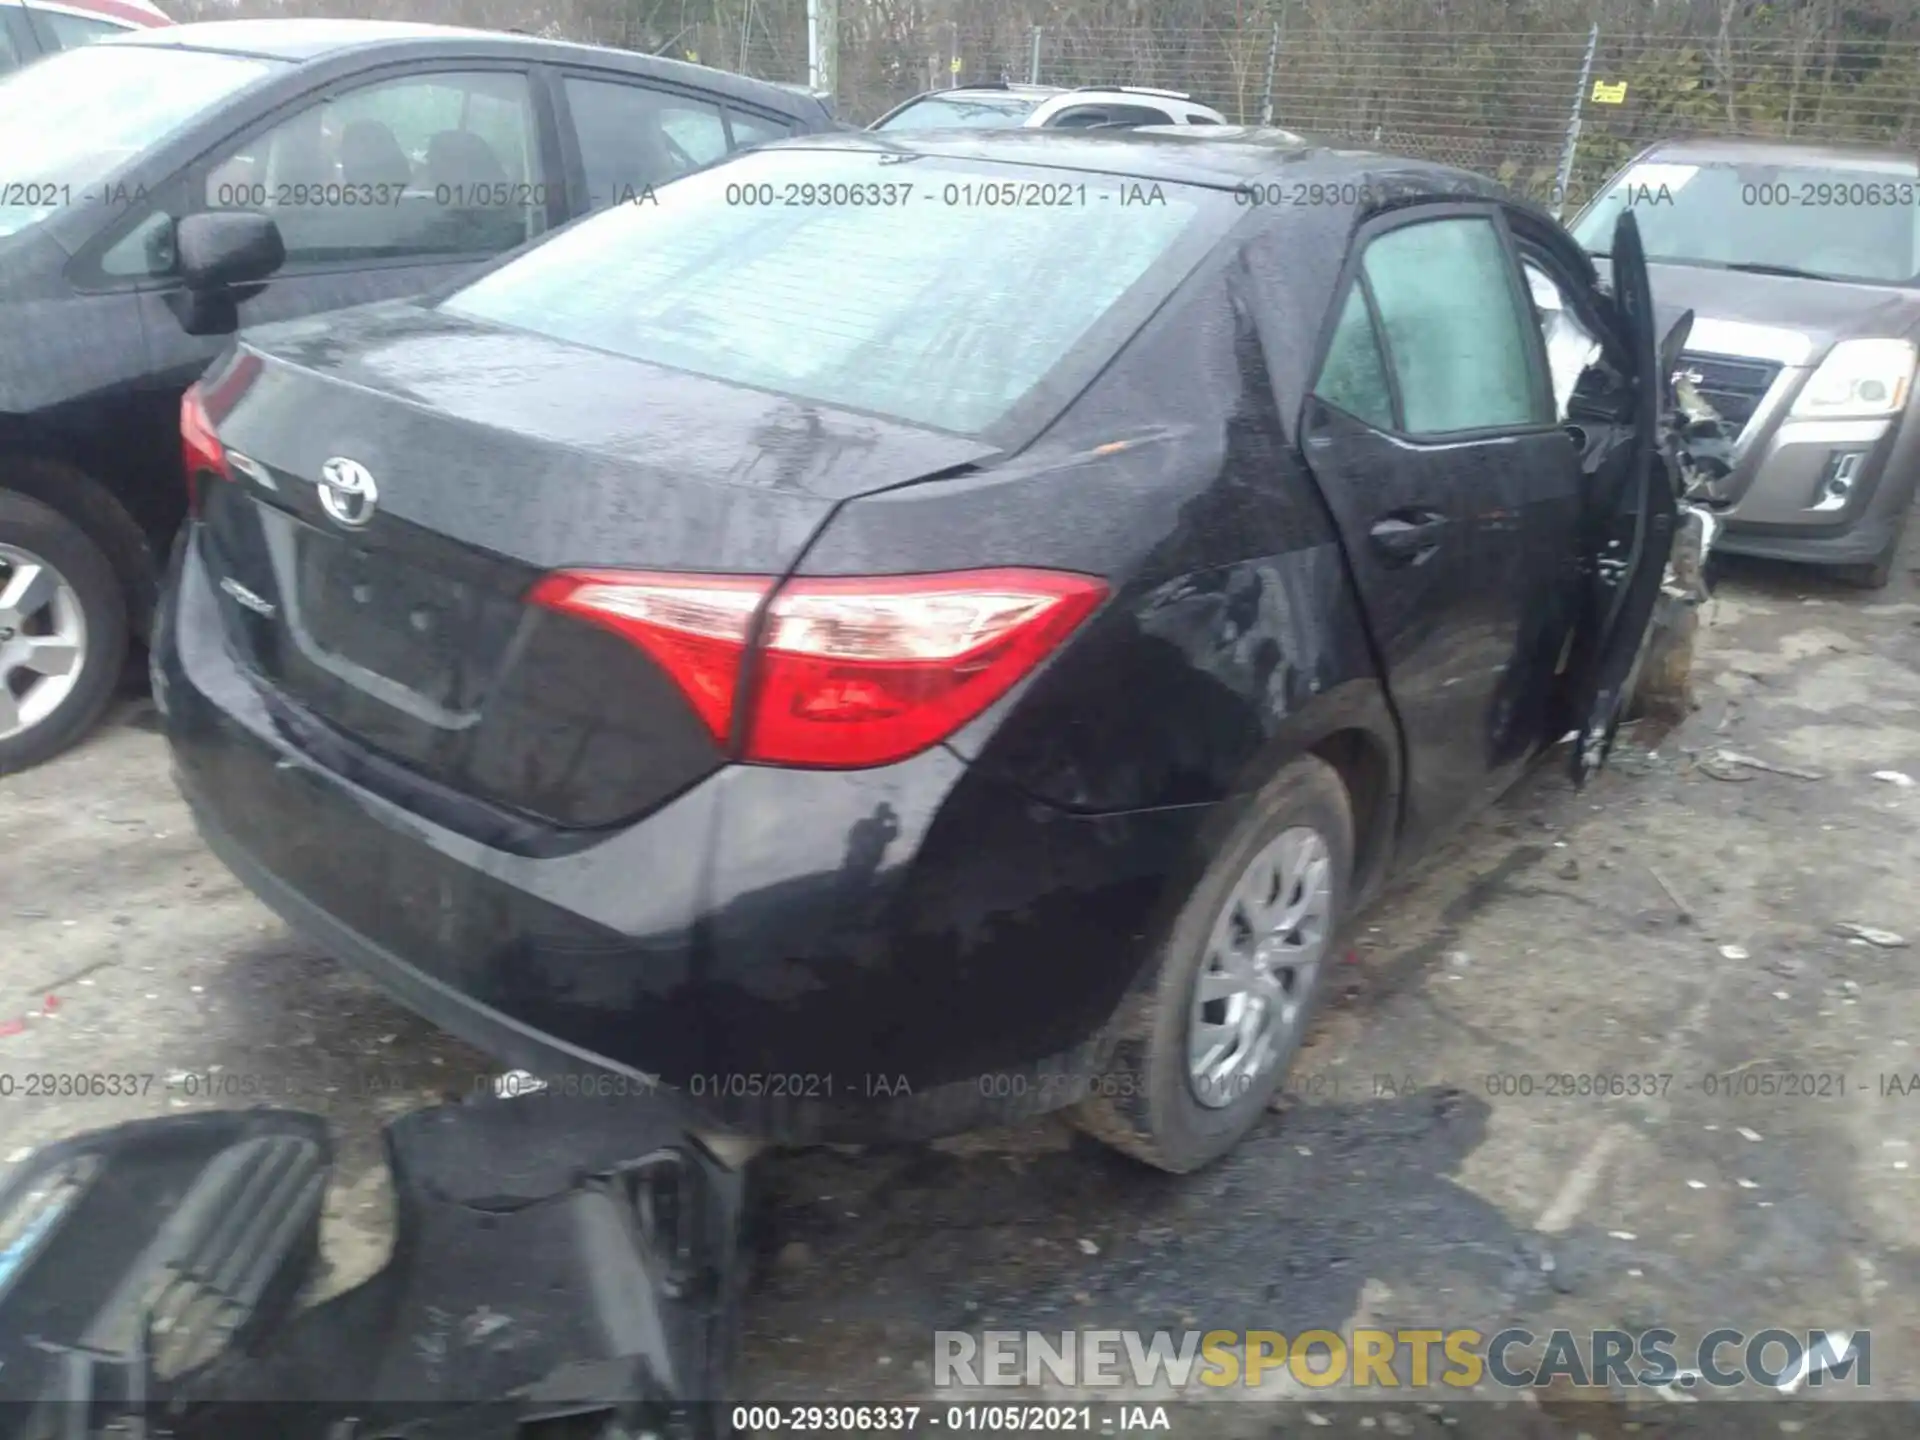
(306, 40)
(299, 39)
(1759, 150)
(1221, 156)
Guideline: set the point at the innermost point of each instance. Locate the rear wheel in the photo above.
(1199, 1054)
(63, 632)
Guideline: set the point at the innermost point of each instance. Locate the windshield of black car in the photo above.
(936, 291)
(1835, 222)
(973, 112)
(70, 121)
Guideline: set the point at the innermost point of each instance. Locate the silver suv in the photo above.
(1801, 264)
(1004, 107)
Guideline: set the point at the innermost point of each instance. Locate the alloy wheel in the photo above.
(43, 640)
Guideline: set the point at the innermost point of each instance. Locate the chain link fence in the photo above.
(1515, 103)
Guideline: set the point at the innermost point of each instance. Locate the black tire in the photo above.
(1874, 575)
(1877, 573)
(43, 531)
(1146, 1107)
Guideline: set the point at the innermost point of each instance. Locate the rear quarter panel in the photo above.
(1098, 789)
(1233, 639)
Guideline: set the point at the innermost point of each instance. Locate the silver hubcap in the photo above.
(1249, 999)
(43, 640)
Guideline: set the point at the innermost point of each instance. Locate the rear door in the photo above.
(1431, 429)
(1637, 541)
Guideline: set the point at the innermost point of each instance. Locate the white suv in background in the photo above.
(1005, 106)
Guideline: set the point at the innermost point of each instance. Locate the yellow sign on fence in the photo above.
(1609, 94)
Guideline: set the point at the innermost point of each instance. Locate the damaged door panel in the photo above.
(556, 1260)
(1457, 494)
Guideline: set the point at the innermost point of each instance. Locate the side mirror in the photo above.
(222, 249)
(223, 256)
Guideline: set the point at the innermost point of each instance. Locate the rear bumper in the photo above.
(791, 954)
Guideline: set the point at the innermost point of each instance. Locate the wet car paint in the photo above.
(809, 954)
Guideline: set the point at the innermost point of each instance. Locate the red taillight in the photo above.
(846, 673)
(200, 448)
(694, 626)
(863, 672)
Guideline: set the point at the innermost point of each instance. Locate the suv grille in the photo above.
(1734, 388)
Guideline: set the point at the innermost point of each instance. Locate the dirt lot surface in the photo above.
(1676, 921)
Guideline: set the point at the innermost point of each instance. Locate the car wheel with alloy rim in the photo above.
(63, 632)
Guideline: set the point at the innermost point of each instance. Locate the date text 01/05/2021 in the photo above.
(975, 1418)
(1737, 1083)
(970, 194)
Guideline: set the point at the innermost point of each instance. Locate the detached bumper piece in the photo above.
(561, 1267)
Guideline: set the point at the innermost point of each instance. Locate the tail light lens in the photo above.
(863, 672)
(200, 448)
(695, 627)
(217, 394)
(845, 673)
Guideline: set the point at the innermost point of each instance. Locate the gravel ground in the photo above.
(1678, 919)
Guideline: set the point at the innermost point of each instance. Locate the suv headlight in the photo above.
(1858, 379)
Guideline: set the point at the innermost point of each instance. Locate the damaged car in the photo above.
(862, 711)
(1800, 262)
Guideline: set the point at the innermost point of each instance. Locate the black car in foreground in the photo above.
(952, 649)
(159, 189)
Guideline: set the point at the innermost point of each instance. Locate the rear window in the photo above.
(942, 293)
(938, 112)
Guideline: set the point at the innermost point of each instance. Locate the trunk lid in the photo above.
(401, 480)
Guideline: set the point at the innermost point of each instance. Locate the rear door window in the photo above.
(634, 137)
(749, 129)
(1354, 375)
(1456, 336)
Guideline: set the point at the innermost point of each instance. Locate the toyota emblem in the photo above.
(347, 492)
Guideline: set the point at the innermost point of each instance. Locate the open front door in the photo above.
(1635, 543)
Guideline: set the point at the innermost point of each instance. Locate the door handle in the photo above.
(1408, 536)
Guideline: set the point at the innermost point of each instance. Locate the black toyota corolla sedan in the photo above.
(907, 632)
